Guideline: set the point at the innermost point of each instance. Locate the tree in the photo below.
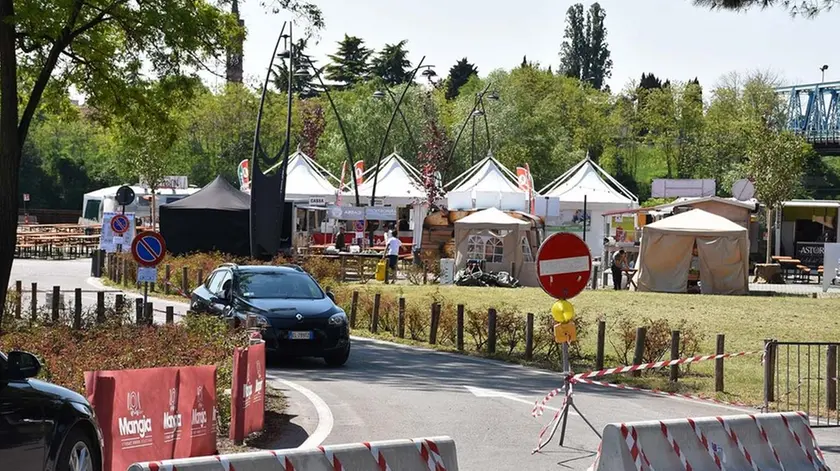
(807, 8)
(774, 163)
(102, 48)
(303, 78)
(432, 157)
(350, 63)
(585, 54)
(459, 75)
(314, 123)
(649, 82)
(391, 64)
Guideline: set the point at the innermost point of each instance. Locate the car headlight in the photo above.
(260, 321)
(338, 319)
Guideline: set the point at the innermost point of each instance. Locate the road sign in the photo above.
(125, 195)
(564, 265)
(148, 248)
(147, 275)
(26, 197)
(119, 224)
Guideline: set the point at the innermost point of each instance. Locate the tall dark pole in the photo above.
(584, 218)
(405, 121)
(464, 126)
(257, 151)
(486, 126)
(385, 138)
(287, 146)
(340, 126)
(472, 141)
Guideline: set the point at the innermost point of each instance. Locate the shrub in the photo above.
(657, 338)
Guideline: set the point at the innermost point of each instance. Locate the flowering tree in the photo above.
(313, 127)
(432, 155)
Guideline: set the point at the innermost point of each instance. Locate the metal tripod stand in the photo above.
(569, 402)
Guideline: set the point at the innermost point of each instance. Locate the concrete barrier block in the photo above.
(420, 454)
(744, 442)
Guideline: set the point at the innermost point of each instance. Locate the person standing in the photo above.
(340, 243)
(619, 264)
(392, 252)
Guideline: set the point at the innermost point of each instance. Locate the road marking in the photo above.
(484, 392)
(325, 416)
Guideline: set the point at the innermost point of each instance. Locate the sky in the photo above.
(671, 38)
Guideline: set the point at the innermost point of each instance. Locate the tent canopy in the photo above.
(216, 218)
(305, 178)
(483, 233)
(487, 184)
(491, 218)
(396, 179)
(665, 255)
(588, 179)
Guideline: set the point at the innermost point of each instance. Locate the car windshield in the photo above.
(278, 285)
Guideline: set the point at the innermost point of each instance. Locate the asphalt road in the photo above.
(389, 391)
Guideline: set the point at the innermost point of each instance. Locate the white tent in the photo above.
(487, 184)
(665, 256)
(305, 179)
(398, 183)
(561, 201)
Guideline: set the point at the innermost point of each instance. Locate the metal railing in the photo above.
(802, 376)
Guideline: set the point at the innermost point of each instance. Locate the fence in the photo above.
(802, 376)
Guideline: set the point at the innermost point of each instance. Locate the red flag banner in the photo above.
(359, 171)
(522, 178)
(247, 403)
(154, 413)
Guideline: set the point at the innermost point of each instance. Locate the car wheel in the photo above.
(77, 453)
(338, 358)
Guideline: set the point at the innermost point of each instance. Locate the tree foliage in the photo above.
(459, 75)
(807, 8)
(585, 54)
(350, 64)
(391, 64)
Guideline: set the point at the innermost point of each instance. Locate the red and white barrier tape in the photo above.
(813, 438)
(659, 392)
(336, 465)
(766, 439)
(818, 466)
(632, 441)
(647, 461)
(710, 448)
(741, 447)
(378, 456)
(430, 455)
(539, 406)
(594, 464)
(674, 446)
(659, 364)
(545, 428)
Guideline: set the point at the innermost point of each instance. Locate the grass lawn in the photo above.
(745, 320)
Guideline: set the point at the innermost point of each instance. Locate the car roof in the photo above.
(269, 269)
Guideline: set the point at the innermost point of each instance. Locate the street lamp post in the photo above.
(380, 95)
(823, 69)
(474, 112)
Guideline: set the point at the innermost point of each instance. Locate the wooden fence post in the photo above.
(19, 302)
(459, 341)
(34, 303)
(119, 304)
(641, 333)
(675, 354)
(149, 314)
(200, 279)
(831, 378)
(401, 318)
(166, 278)
(433, 327)
(491, 331)
(77, 314)
(185, 280)
(170, 315)
(100, 307)
(354, 305)
(56, 297)
(374, 319)
(529, 336)
(138, 311)
(599, 348)
(719, 363)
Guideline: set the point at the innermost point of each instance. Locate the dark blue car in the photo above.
(44, 427)
(297, 317)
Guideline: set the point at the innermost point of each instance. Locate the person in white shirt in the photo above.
(392, 252)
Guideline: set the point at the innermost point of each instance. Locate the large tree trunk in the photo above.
(770, 229)
(10, 148)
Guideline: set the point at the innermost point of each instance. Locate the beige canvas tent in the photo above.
(666, 254)
(504, 242)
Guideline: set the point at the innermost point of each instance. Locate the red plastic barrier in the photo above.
(247, 404)
(154, 413)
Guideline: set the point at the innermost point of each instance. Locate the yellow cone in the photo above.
(563, 311)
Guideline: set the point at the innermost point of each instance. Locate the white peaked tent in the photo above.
(487, 184)
(561, 201)
(665, 255)
(305, 178)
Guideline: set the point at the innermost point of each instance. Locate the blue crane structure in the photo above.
(819, 121)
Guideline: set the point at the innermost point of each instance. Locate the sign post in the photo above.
(148, 250)
(564, 266)
(124, 197)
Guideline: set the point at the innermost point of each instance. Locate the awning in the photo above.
(811, 204)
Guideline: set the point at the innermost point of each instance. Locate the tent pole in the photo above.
(584, 218)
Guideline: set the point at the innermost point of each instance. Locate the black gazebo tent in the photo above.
(216, 218)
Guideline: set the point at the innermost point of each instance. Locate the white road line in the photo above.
(325, 416)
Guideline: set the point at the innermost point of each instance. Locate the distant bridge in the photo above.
(819, 120)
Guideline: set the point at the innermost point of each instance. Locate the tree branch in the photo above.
(102, 17)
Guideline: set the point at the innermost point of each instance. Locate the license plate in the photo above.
(307, 335)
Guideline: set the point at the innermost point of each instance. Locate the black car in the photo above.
(297, 317)
(44, 427)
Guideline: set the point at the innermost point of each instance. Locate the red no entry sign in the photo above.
(119, 224)
(148, 248)
(564, 265)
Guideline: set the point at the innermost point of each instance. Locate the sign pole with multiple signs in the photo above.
(564, 266)
(148, 249)
(124, 197)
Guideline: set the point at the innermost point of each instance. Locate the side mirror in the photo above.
(22, 365)
(331, 296)
(218, 300)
